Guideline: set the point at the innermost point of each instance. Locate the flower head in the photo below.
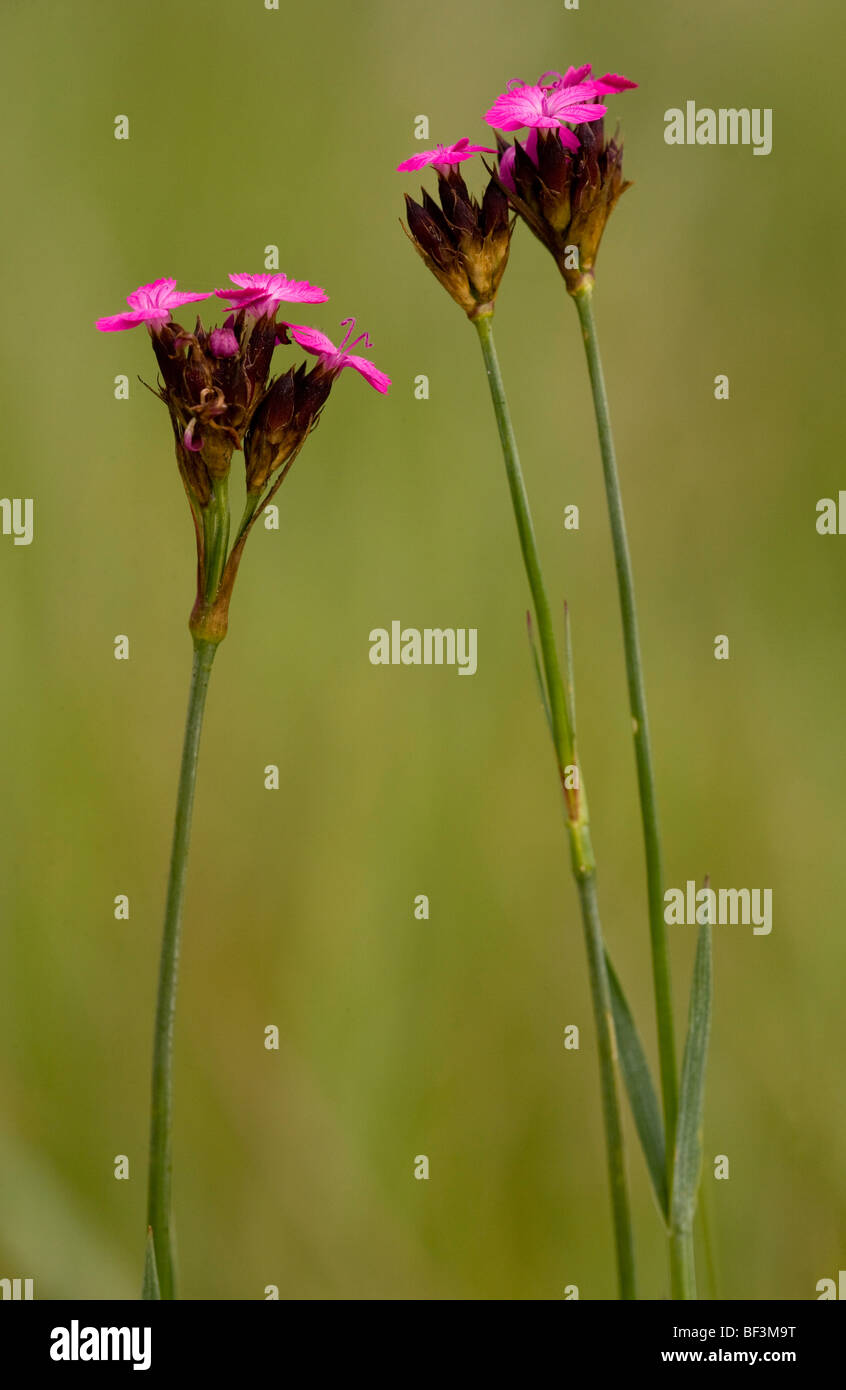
(464, 243)
(554, 100)
(442, 156)
(221, 398)
(262, 294)
(546, 106)
(149, 304)
(565, 198)
(212, 383)
(565, 184)
(332, 359)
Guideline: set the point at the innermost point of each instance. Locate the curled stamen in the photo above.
(195, 445)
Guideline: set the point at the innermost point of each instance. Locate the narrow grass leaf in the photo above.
(569, 679)
(688, 1147)
(539, 674)
(641, 1092)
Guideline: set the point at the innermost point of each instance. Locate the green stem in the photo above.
(216, 523)
(682, 1265)
(161, 1114)
(681, 1249)
(640, 727)
(609, 1082)
(577, 823)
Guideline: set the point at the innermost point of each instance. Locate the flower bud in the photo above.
(465, 244)
(222, 342)
(282, 423)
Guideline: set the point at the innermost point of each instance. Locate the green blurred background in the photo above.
(399, 1037)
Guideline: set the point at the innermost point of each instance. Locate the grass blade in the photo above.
(688, 1149)
(569, 680)
(539, 674)
(641, 1092)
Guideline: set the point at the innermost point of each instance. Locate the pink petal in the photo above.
(115, 322)
(575, 75)
(239, 297)
(147, 296)
(312, 340)
(568, 104)
(511, 110)
(612, 83)
(248, 281)
(261, 293)
(300, 292)
(378, 380)
(182, 297)
(417, 161)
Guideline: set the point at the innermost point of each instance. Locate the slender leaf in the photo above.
(688, 1148)
(150, 1287)
(641, 1092)
(569, 680)
(539, 674)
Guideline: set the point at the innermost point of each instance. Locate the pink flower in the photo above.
(334, 359)
(149, 304)
(443, 155)
(545, 107)
(571, 98)
(262, 294)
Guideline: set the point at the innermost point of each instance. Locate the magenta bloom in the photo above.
(262, 294)
(443, 155)
(569, 98)
(334, 359)
(149, 304)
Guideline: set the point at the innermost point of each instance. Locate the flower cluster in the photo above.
(217, 387)
(563, 180)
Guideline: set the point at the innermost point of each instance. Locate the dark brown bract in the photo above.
(566, 198)
(464, 243)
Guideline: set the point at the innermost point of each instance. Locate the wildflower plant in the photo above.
(222, 401)
(563, 179)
